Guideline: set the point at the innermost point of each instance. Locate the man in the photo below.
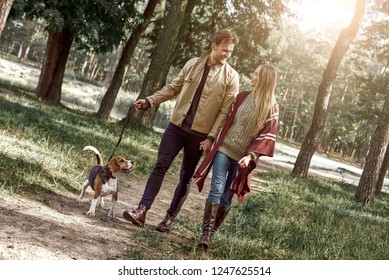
(205, 89)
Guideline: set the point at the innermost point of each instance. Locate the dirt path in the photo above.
(56, 227)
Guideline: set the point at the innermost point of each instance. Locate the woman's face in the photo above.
(254, 78)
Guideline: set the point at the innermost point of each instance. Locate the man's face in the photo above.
(222, 52)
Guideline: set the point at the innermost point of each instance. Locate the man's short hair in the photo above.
(225, 35)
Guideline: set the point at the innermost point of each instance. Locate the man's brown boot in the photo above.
(137, 216)
(166, 224)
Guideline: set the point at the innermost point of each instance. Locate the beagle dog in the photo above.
(103, 181)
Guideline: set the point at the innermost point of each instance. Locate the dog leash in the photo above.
(121, 134)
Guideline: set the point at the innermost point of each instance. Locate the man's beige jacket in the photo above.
(220, 89)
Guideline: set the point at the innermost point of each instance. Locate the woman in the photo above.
(248, 133)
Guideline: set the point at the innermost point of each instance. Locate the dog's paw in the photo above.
(91, 213)
(100, 203)
(111, 214)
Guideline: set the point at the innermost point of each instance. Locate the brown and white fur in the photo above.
(103, 180)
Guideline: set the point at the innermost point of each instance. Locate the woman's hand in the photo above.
(244, 161)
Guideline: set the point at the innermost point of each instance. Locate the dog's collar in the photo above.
(110, 176)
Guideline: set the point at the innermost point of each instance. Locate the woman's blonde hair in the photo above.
(264, 94)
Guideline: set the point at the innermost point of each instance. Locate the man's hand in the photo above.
(141, 104)
(206, 145)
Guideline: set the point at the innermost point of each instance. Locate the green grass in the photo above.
(41, 146)
(41, 150)
(305, 219)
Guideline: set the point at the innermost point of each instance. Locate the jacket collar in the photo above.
(204, 57)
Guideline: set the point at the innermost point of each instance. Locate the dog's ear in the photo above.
(115, 167)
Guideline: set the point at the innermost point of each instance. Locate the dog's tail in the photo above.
(97, 153)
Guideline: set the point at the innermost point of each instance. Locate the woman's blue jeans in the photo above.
(224, 170)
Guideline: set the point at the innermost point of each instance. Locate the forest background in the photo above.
(138, 46)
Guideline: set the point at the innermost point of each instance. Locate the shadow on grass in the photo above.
(305, 219)
(17, 176)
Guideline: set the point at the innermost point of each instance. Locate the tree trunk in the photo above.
(375, 159)
(117, 80)
(313, 137)
(51, 78)
(384, 169)
(283, 110)
(175, 22)
(291, 137)
(363, 151)
(138, 64)
(5, 7)
(25, 49)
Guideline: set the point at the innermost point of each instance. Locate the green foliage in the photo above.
(361, 87)
(252, 20)
(98, 25)
(299, 77)
(377, 31)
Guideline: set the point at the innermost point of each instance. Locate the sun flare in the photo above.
(319, 14)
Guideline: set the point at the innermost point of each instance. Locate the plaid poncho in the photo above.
(263, 145)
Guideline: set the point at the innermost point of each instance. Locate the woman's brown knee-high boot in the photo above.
(209, 219)
(220, 216)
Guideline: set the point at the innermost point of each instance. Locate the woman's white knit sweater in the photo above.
(240, 135)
